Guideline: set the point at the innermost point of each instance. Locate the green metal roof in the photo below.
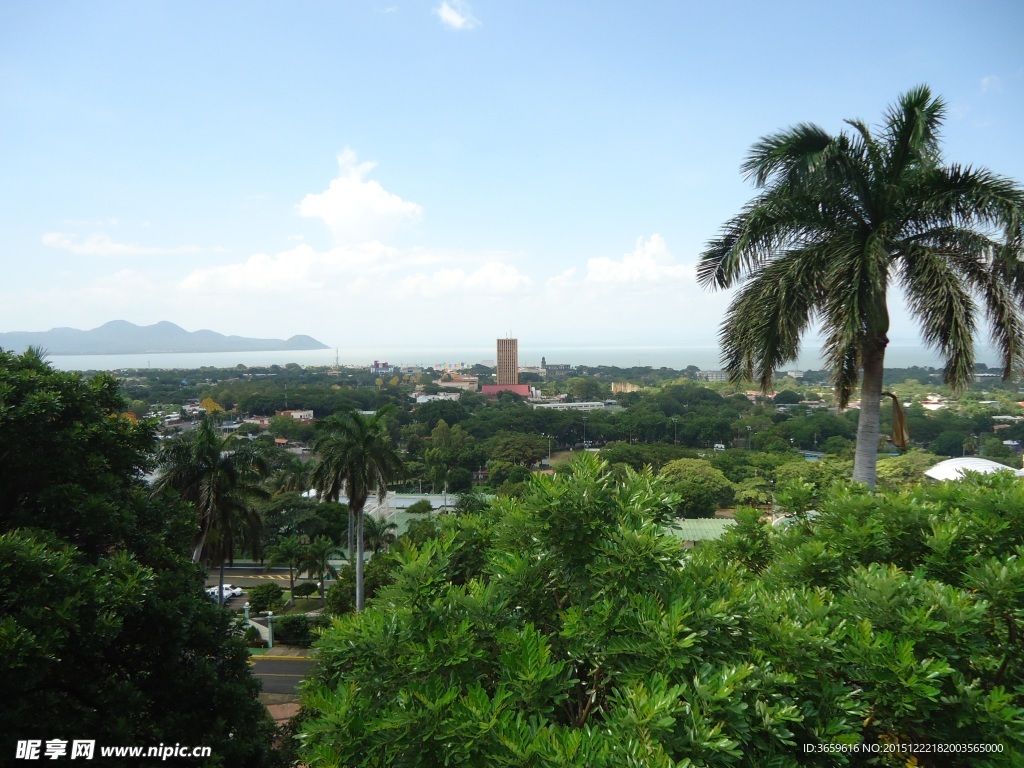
(703, 529)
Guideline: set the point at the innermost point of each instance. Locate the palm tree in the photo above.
(355, 455)
(316, 561)
(839, 220)
(378, 532)
(218, 477)
(288, 551)
(292, 476)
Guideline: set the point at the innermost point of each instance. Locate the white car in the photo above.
(229, 592)
(785, 521)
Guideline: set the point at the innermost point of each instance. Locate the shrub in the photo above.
(460, 480)
(341, 598)
(253, 639)
(378, 572)
(296, 629)
(265, 597)
(420, 507)
(305, 589)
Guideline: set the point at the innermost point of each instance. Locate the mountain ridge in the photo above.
(121, 337)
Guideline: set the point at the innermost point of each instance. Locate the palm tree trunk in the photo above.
(359, 561)
(865, 459)
(291, 584)
(197, 551)
(220, 584)
(351, 527)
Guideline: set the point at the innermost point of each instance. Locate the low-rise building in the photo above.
(713, 375)
(306, 415)
(589, 406)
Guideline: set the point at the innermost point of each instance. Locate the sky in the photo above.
(438, 172)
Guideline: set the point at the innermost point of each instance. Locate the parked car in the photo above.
(229, 592)
(785, 521)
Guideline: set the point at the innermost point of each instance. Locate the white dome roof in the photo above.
(954, 469)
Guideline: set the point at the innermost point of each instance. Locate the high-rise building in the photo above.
(508, 361)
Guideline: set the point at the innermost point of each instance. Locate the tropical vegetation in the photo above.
(356, 457)
(580, 631)
(105, 632)
(843, 220)
(219, 477)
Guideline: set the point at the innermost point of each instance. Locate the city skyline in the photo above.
(431, 173)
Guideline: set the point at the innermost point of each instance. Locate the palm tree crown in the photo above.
(841, 217)
(378, 532)
(355, 455)
(218, 477)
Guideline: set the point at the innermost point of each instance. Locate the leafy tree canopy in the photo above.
(584, 634)
(106, 632)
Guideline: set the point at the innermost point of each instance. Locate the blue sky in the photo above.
(437, 173)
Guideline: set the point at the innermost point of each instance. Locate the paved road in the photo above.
(252, 575)
(280, 674)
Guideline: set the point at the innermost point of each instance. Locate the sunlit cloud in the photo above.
(649, 263)
(455, 14)
(356, 209)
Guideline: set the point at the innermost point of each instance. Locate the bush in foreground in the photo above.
(586, 635)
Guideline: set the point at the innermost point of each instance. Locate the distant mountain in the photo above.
(120, 337)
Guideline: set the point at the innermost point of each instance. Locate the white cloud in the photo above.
(355, 209)
(648, 264)
(455, 14)
(99, 244)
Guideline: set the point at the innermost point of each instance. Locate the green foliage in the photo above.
(839, 446)
(654, 455)
(838, 218)
(317, 561)
(701, 488)
(749, 541)
(265, 597)
(356, 455)
(305, 589)
(460, 480)
(253, 639)
(581, 633)
(906, 470)
(378, 532)
(340, 598)
(420, 507)
(297, 629)
(104, 628)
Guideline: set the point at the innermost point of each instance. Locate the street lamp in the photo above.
(748, 437)
(270, 629)
(584, 433)
(675, 430)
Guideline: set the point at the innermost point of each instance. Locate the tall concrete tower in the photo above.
(508, 361)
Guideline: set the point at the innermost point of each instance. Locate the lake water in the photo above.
(705, 358)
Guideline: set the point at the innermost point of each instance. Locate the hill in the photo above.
(120, 337)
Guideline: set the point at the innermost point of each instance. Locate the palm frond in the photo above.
(793, 153)
(768, 316)
(912, 130)
(944, 309)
